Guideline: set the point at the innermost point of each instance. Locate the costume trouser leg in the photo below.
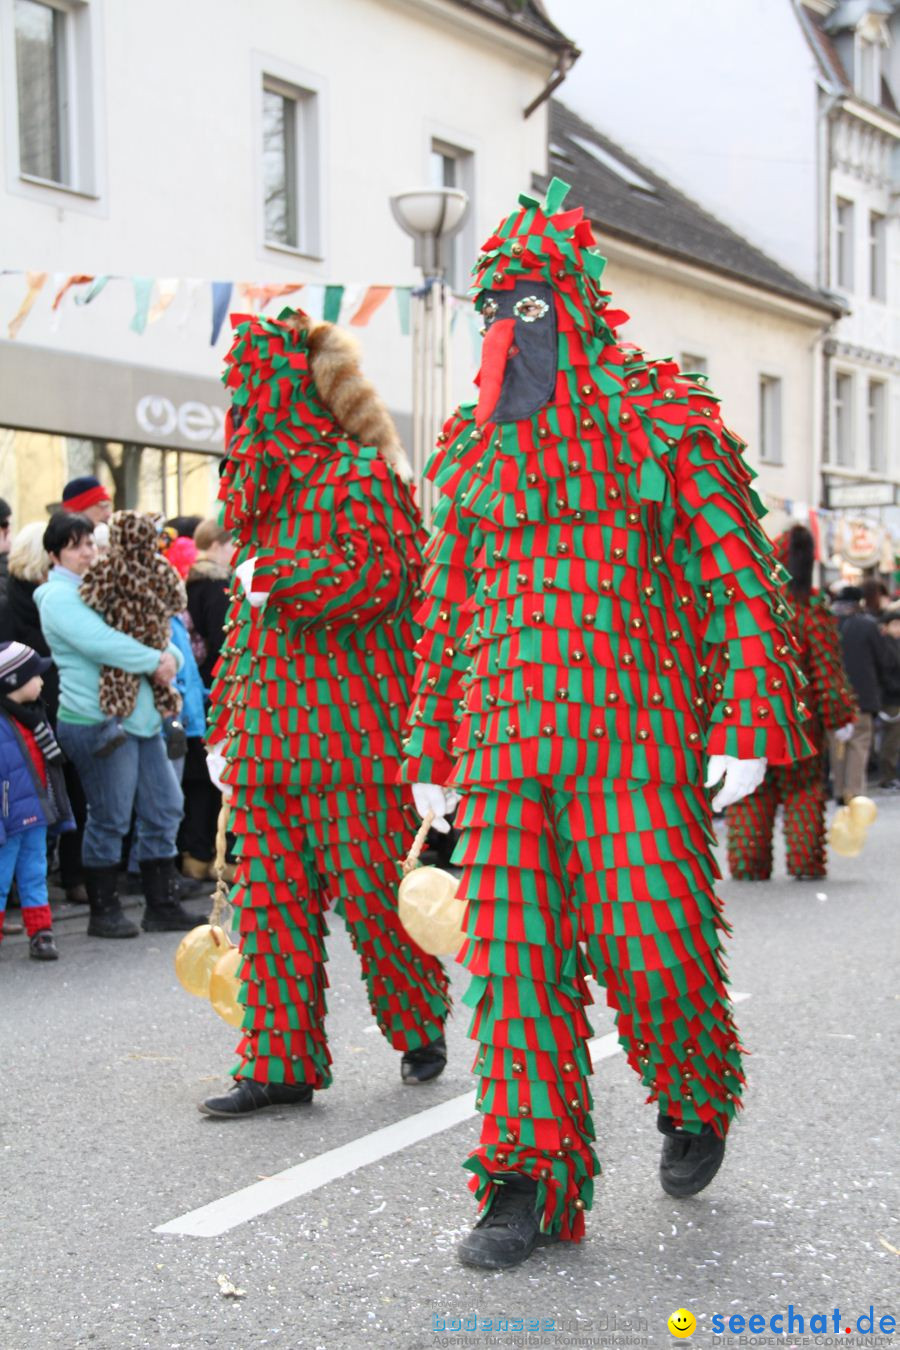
(296, 854)
(802, 790)
(356, 838)
(629, 874)
(281, 905)
(751, 828)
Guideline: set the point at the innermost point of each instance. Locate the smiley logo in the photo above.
(682, 1323)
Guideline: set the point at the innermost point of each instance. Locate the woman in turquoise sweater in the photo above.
(137, 776)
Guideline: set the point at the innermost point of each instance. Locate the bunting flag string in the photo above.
(153, 297)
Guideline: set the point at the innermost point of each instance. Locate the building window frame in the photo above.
(79, 120)
(876, 425)
(878, 256)
(771, 419)
(867, 67)
(304, 93)
(692, 363)
(463, 246)
(843, 411)
(844, 242)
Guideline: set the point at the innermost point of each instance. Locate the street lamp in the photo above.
(431, 216)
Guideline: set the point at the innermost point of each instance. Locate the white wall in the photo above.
(177, 135)
(717, 95)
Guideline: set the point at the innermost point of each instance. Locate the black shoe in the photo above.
(113, 737)
(163, 913)
(175, 738)
(77, 894)
(424, 1063)
(689, 1161)
(248, 1096)
(42, 947)
(107, 919)
(510, 1230)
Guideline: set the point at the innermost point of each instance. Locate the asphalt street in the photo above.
(106, 1057)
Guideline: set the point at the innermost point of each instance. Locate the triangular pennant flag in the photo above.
(167, 289)
(79, 279)
(373, 299)
(314, 300)
(34, 281)
(143, 290)
(332, 307)
(403, 294)
(349, 302)
(93, 292)
(221, 299)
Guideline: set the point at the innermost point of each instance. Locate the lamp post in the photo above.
(431, 216)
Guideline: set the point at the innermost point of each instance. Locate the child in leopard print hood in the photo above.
(138, 592)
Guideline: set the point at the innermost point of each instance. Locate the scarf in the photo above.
(34, 717)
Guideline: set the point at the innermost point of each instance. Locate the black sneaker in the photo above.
(510, 1230)
(248, 1096)
(689, 1161)
(424, 1063)
(42, 947)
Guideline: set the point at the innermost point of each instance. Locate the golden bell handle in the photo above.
(412, 858)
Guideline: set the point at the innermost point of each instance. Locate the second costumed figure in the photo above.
(603, 613)
(798, 788)
(308, 699)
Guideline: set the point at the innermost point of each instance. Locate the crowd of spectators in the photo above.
(108, 795)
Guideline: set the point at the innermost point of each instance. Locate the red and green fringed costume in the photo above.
(602, 612)
(308, 700)
(798, 788)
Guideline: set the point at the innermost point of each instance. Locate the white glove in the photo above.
(244, 574)
(742, 776)
(439, 801)
(843, 734)
(215, 765)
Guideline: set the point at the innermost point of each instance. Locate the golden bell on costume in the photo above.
(430, 912)
(198, 951)
(851, 825)
(224, 986)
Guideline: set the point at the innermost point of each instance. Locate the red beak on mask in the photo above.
(494, 355)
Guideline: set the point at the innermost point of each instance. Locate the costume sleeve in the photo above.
(444, 618)
(829, 693)
(755, 687)
(343, 556)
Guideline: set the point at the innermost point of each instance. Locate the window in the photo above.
(290, 166)
(876, 426)
(770, 419)
(43, 91)
(692, 364)
(877, 257)
(450, 166)
(843, 418)
(843, 233)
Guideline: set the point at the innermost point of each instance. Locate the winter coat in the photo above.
(891, 670)
(24, 801)
(189, 683)
(21, 622)
(864, 659)
(81, 643)
(208, 588)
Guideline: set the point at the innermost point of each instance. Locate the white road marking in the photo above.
(232, 1210)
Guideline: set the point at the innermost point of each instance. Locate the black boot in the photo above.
(424, 1063)
(163, 913)
(107, 919)
(510, 1230)
(689, 1161)
(42, 947)
(248, 1096)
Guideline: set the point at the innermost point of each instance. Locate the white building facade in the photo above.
(783, 120)
(170, 146)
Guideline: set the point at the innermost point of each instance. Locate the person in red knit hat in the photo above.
(34, 793)
(86, 496)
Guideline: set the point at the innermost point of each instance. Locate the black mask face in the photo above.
(519, 355)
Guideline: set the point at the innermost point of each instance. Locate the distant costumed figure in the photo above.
(603, 621)
(308, 700)
(798, 788)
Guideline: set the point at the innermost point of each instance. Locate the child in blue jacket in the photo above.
(33, 792)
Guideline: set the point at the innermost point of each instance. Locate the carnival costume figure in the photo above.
(308, 701)
(603, 619)
(798, 788)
